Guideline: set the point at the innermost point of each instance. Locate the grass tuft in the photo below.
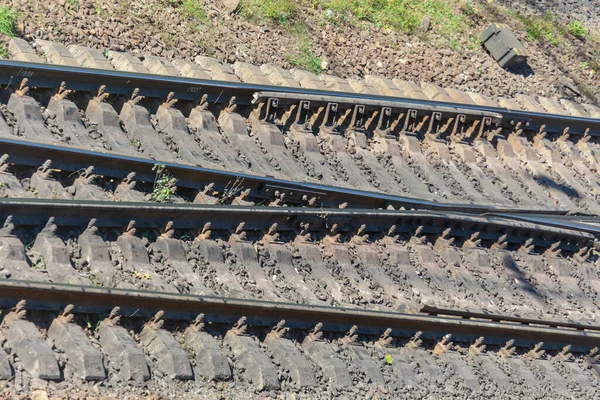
(278, 11)
(194, 10)
(401, 15)
(577, 29)
(305, 58)
(545, 28)
(7, 20)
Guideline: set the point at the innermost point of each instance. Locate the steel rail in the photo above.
(120, 82)
(193, 216)
(580, 223)
(54, 296)
(24, 152)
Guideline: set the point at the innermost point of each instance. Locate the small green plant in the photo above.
(577, 29)
(388, 359)
(306, 57)
(544, 28)
(71, 4)
(8, 17)
(95, 281)
(279, 11)
(193, 9)
(164, 185)
(3, 51)
(402, 15)
(39, 263)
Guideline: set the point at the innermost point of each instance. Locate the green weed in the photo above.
(306, 57)
(194, 10)
(577, 29)
(401, 15)
(8, 17)
(71, 4)
(279, 11)
(545, 28)
(164, 185)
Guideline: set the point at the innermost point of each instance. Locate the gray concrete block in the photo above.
(291, 359)
(136, 259)
(362, 86)
(123, 353)
(30, 122)
(190, 69)
(337, 84)
(84, 188)
(217, 70)
(66, 115)
(95, 252)
(83, 358)
(551, 105)
(172, 122)
(89, 58)
(126, 62)
(279, 76)
(46, 187)
(176, 258)
(12, 254)
(593, 110)
(384, 86)
(333, 368)
(410, 89)
(159, 66)
(363, 360)
(55, 256)
(6, 368)
(170, 357)
(435, 92)
(256, 366)
(573, 108)
(210, 360)
(20, 50)
(459, 96)
(14, 260)
(56, 53)
(106, 119)
(11, 186)
(483, 100)
(212, 254)
(136, 121)
(35, 355)
(204, 126)
(508, 103)
(250, 73)
(529, 103)
(308, 79)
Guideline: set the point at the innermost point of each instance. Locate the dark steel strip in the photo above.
(566, 222)
(432, 310)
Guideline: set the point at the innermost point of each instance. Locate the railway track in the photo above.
(361, 154)
(311, 241)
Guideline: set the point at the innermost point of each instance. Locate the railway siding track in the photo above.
(324, 237)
